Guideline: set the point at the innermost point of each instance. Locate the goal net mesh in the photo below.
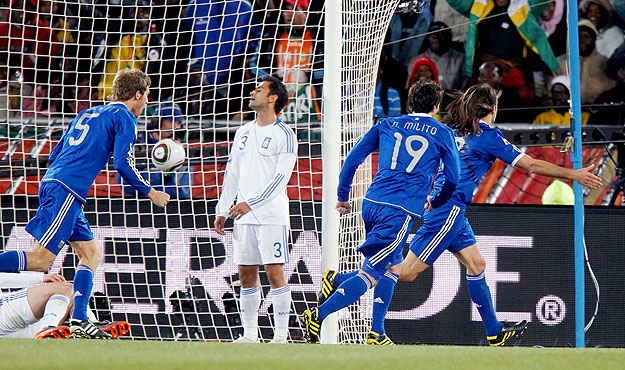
(166, 271)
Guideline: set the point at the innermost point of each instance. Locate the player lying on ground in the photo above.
(84, 149)
(39, 310)
(410, 148)
(262, 157)
(446, 227)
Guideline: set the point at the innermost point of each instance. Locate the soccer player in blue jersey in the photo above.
(84, 149)
(446, 228)
(410, 149)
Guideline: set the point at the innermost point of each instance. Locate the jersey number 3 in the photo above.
(82, 127)
(415, 154)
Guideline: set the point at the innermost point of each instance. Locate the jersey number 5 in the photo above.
(82, 127)
(415, 154)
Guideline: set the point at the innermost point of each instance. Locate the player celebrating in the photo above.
(84, 149)
(261, 161)
(411, 148)
(446, 227)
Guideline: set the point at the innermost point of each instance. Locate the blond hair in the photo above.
(127, 82)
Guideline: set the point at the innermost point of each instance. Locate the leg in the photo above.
(412, 267)
(90, 256)
(250, 301)
(472, 259)
(40, 295)
(39, 259)
(382, 295)
(281, 294)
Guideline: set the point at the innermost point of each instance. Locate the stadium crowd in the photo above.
(59, 57)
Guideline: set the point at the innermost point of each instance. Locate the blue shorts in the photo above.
(443, 228)
(387, 231)
(59, 218)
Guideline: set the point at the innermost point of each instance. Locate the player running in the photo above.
(262, 158)
(410, 148)
(84, 149)
(446, 227)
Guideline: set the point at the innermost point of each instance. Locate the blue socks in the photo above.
(480, 295)
(347, 293)
(83, 282)
(12, 261)
(382, 295)
(341, 277)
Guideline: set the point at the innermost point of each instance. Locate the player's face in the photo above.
(260, 97)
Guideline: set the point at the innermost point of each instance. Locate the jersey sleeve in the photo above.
(20, 280)
(499, 147)
(123, 154)
(287, 156)
(230, 186)
(365, 146)
(450, 171)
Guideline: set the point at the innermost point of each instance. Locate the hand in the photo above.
(428, 205)
(159, 198)
(239, 210)
(53, 278)
(343, 207)
(586, 177)
(220, 221)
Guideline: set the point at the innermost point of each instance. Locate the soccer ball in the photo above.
(167, 155)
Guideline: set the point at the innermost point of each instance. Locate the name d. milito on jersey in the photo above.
(416, 126)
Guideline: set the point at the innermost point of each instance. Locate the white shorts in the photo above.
(16, 317)
(261, 244)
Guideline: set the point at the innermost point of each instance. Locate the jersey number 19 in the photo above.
(415, 154)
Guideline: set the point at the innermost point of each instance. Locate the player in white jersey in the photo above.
(37, 310)
(262, 158)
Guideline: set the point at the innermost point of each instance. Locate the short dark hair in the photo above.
(276, 87)
(423, 96)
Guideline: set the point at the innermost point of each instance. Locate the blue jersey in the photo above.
(410, 149)
(86, 147)
(477, 155)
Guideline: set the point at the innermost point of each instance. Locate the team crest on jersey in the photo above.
(61, 244)
(266, 142)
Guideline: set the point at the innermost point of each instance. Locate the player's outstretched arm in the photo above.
(159, 198)
(584, 176)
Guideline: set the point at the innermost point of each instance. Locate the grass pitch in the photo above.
(123, 354)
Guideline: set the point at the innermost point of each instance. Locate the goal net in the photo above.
(167, 272)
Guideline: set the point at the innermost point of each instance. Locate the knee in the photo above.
(407, 275)
(38, 263)
(64, 289)
(477, 266)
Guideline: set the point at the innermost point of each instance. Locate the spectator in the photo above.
(559, 115)
(553, 22)
(448, 61)
(387, 100)
(592, 65)
(222, 30)
(141, 49)
(165, 124)
(294, 55)
(498, 31)
(609, 35)
(194, 94)
(613, 115)
(507, 97)
(403, 29)
(423, 68)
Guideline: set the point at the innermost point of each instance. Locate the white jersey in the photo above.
(260, 167)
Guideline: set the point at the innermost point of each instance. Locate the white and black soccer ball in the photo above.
(168, 154)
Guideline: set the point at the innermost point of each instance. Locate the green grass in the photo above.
(118, 354)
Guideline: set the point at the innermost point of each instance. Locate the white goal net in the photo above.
(167, 272)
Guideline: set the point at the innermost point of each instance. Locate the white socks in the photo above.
(54, 311)
(250, 301)
(281, 311)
